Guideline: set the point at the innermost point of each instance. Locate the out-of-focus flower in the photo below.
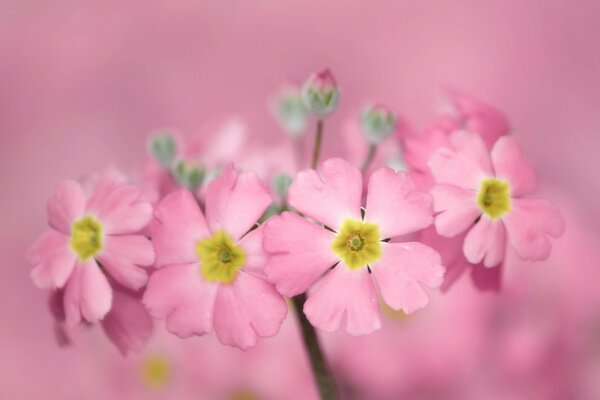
(320, 93)
(475, 115)
(210, 270)
(377, 123)
(351, 246)
(489, 196)
(92, 237)
(127, 325)
(289, 109)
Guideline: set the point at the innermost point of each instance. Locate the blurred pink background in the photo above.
(83, 83)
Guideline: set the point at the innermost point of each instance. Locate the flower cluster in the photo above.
(205, 244)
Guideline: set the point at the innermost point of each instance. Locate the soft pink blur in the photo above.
(82, 85)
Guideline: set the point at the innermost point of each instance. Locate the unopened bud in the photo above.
(163, 148)
(320, 93)
(188, 174)
(290, 111)
(377, 123)
(281, 184)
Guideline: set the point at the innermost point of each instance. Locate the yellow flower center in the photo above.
(221, 258)
(357, 243)
(86, 237)
(494, 197)
(155, 372)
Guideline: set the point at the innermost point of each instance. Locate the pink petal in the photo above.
(179, 294)
(122, 256)
(53, 260)
(66, 205)
(344, 292)
(120, 208)
(419, 148)
(510, 165)
(457, 209)
(247, 309)
(402, 272)
(331, 196)
(395, 205)
(177, 227)
(480, 117)
(256, 256)
(465, 164)
(87, 294)
(128, 325)
(528, 225)
(486, 242)
(300, 252)
(235, 201)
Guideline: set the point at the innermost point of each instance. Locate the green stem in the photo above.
(369, 159)
(324, 380)
(317, 148)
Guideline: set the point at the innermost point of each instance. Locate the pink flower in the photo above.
(488, 194)
(92, 237)
(210, 269)
(352, 254)
(127, 325)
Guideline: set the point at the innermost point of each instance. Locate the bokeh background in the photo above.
(82, 84)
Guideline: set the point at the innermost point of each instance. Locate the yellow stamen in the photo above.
(357, 243)
(86, 237)
(221, 258)
(494, 197)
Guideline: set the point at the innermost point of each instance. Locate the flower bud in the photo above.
(320, 94)
(188, 174)
(377, 123)
(290, 111)
(163, 148)
(281, 184)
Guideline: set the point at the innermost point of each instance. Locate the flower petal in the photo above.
(122, 256)
(179, 294)
(509, 164)
(66, 205)
(256, 256)
(300, 252)
(465, 164)
(88, 294)
(486, 242)
(121, 209)
(53, 260)
(177, 227)
(457, 209)
(402, 272)
(235, 201)
(247, 309)
(395, 204)
(128, 325)
(331, 196)
(528, 225)
(344, 292)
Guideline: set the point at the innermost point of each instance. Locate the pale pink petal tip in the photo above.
(403, 271)
(396, 205)
(300, 252)
(235, 201)
(246, 310)
(176, 292)
(344, 294)
(529, 225)
(330, 196)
